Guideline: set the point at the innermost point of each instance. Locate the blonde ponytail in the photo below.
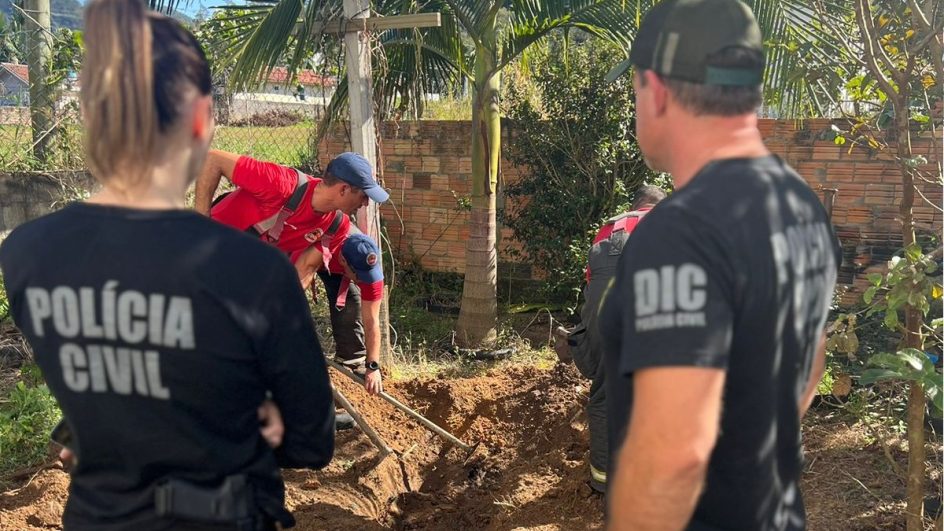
(139, 66)
(118, 92)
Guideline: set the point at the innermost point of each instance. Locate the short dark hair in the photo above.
(720, 100)
(648, 194)
(329, 180)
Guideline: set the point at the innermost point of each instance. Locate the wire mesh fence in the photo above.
(258, 125)
(268, 126)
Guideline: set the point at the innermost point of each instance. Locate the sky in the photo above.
(192, 7)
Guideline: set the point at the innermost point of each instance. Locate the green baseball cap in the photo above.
(677, 37)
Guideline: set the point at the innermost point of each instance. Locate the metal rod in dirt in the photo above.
(428, 424)
(368, 431)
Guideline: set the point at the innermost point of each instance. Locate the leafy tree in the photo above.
(574, 133)
(890, 69)
(12, 40)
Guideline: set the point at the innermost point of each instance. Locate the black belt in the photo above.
(231, 503)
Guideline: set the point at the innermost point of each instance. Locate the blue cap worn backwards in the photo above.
(355, 171)
(363, 256)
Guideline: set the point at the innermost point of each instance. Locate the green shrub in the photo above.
(574, 133)
(27, 416)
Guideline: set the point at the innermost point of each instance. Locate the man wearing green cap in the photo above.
(721, 294)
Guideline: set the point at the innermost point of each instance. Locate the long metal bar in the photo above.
(428, 424)
(359, 419)
(353, 25)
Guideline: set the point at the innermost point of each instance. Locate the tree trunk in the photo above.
(917, 401)
(478, 315)
(40, 49)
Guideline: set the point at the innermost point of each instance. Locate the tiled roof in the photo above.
(308, 78)
(20, 71)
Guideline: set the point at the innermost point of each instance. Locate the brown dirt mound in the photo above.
(528, 471)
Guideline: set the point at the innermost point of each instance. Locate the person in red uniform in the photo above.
(358, 264)
(297, 213)
(583, 343)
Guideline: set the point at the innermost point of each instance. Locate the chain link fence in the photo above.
(270, 126)
(277, 123)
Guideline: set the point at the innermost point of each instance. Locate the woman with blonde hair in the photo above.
(143, 318)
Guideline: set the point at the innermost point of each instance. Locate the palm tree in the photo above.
(500, 31)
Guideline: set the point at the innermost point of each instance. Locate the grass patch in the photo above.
(286, 145)
(448, 108)
(28, 413)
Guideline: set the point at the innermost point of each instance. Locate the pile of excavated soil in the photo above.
(527, 472)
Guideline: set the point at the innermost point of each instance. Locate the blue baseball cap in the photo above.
(362, 254)
(354, 169)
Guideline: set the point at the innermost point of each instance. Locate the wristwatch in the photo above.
(372, 366)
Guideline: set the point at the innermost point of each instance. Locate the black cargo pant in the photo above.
(346, 325)
(588, 358)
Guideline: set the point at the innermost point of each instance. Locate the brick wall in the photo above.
(427, 166)
(868, 192)
(424, 163)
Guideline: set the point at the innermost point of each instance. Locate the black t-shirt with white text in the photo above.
(160, 333)
(734, 271)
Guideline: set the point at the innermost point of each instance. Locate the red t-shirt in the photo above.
(263, 188)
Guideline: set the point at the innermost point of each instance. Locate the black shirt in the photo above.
(734, 271)
(160, 332)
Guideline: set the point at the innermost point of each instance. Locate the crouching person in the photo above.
(144, 317)
(583, 343)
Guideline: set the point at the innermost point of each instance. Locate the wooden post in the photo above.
(363, 137)
(39, 43)
(360, 99)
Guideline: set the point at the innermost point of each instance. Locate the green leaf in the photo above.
(913, 252)
(875, 278)
(869, 294)
(870, 376)
(891, 319)
(888, 361)
(839, 140)
(896, 298)
(938, 402)
(914, 357)
(937, 323)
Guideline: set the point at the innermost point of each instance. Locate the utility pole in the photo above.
(360, 97)
(39, 41)
(363, 138)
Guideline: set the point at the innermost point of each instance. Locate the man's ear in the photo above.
(658, 92)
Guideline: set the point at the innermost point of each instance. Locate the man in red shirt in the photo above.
(584, 341)
(296, 212)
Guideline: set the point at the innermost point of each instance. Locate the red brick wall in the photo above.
(424, 163)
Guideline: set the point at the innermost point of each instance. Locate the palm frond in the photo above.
(800, 46)
(265, 41)
(167, 6)
(613, 20)
(474, 15)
